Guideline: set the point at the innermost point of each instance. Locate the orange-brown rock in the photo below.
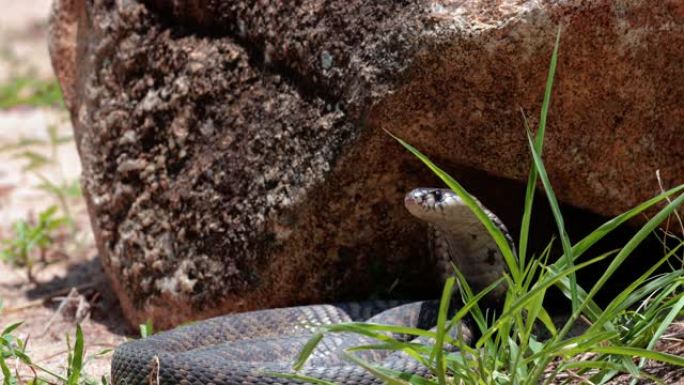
(234, 154)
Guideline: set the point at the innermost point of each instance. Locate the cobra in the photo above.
(248, 348)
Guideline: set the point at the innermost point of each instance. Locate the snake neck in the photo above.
(481, 263)
(458, 238)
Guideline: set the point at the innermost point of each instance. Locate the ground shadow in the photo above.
(90, 280)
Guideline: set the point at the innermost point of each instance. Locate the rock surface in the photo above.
(234, 156)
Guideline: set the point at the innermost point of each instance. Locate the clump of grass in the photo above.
(510, 349)
(28, 149)
(32, 238)
(13, 354)
(26, 90)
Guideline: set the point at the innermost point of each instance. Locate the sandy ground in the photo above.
(47, 315)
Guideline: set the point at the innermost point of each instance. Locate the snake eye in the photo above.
(438, 195)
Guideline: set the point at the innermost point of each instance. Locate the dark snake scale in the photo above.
(248, 348)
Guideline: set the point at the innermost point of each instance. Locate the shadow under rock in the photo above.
(90, 280)
(506, 197)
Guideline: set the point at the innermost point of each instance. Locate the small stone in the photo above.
(207, 128)
(326, 60)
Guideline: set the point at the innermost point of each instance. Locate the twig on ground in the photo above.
(54, 294)
(75, 302)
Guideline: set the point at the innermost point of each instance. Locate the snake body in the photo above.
(248, 348)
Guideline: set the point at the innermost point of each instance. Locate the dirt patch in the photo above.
(49, 313)
(45, 306)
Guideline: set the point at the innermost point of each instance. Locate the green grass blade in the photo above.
(471, 304)
(667, 321)
(538, 263)
(515, 307)
(570, 346)
(10, 328)
(590, 365)
(471, 301)
(375, 330)
(410, 377)
(76, 364)
(622, 299)
(24, 358)
(306, 351)
(630, 351)
(411, 349)
(6, 373)
(377, 372)
(146, 329)
(583, 365)
(535, 311)
(664, 324)
(379, 332)
(563, 349)
(528, 202)
(438, 350)
(583, 245)
(547, 91)
(299, 377)
(643, 232)
(592, 310)
(625, 252)
(539, 142)
(555, 209)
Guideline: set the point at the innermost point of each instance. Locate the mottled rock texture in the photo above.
(234, 156)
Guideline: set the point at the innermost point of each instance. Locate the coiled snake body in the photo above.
(247, 348)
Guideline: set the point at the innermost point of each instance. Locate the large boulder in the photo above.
(234, 155)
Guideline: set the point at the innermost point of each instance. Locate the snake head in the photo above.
(436, 206)
(445, 210)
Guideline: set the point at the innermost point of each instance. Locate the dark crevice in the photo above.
(505, 198)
